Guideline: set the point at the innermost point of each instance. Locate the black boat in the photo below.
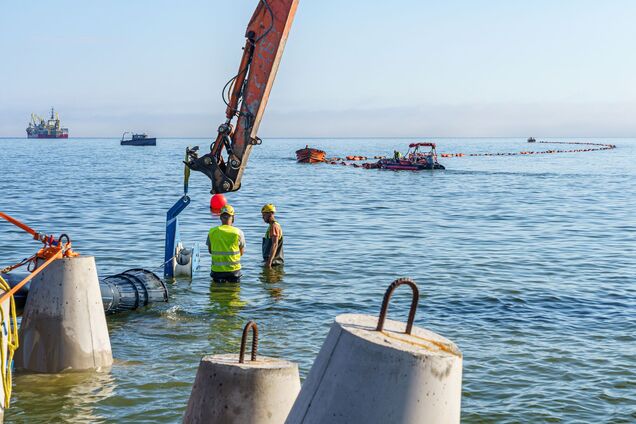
(532, 140)
(138, 140)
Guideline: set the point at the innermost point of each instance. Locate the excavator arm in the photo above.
(247, 94)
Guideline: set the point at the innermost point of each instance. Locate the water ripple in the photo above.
(528, 264)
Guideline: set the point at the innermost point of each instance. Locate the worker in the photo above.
(397, 155)
(226, 245)
(273, 240)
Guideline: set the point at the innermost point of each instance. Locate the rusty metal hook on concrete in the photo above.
(387, 297)
(254, 327)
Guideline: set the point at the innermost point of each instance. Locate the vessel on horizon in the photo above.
(42, 128)
(138, 140)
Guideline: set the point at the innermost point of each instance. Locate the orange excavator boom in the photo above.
(247, 95)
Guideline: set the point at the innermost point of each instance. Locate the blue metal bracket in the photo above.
(172, 234)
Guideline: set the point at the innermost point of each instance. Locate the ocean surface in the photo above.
(528, 263)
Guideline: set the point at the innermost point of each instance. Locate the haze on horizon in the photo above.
(350, 69)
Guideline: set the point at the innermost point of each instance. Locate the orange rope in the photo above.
(19, 224)
(18, 286)
(53, 249)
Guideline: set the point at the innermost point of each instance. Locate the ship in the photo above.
(42, 128)
(138, 140)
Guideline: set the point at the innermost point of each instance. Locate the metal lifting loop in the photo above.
(64, 236)
(254, 327)
(64, 245)
(387, 297)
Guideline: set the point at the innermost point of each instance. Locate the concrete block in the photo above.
(376, 377)
(254, 392)
(63, 325)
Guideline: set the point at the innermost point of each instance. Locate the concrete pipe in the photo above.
(372, 371)
(229, 390)
(63, 324)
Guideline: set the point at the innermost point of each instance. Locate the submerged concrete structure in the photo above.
(63, 325)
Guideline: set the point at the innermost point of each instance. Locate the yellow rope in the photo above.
(6, 359)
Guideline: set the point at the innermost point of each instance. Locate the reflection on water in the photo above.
(271, 277)
(225, 299)
(224, 315)
(67, 397)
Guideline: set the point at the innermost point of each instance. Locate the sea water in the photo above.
(528, 263)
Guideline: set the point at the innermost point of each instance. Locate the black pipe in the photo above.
(131, 289)
(126, 291)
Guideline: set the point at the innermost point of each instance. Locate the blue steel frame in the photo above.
(172, 234)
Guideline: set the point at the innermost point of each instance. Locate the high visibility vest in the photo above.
(224, 247)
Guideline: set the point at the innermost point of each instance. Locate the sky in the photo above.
(355, 68)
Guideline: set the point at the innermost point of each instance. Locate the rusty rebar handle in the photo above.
(254, 327)
(387, 296)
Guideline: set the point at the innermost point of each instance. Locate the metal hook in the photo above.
(254, 327)
(387, 297)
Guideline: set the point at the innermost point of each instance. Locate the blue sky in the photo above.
(351, 68)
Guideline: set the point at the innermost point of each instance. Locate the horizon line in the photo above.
(326, 137)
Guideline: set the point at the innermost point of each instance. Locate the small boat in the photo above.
(414, 160)
(137, 140)
(310, 155)
(532, 140)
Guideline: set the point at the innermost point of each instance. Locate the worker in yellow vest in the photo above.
(226, 245)
(273, 241)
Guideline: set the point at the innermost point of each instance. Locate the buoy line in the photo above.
(598, 147)
(593, 147)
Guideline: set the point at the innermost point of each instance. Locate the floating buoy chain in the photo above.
(602, 146)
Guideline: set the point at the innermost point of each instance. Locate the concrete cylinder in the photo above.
(255, 392)
(376, 377)
(63, 324)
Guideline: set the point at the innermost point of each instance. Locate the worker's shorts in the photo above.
(226, 277)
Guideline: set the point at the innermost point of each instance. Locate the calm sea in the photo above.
(528, 263)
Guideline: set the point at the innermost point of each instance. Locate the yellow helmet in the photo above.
(268, 208)
(228, 210)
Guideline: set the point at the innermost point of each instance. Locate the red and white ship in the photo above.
(41, 128)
